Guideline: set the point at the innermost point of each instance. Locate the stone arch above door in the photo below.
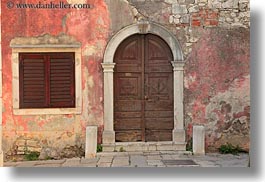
(178, 133)
(143, 28)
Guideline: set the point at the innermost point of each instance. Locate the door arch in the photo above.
(143, 90)
(178, 133)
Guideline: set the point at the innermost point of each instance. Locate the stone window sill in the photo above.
(47, 111)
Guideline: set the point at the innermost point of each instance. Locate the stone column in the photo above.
(108, 133)
(179, 131)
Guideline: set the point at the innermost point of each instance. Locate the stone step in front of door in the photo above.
(144, 146)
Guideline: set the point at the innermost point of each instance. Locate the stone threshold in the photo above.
(144, 146)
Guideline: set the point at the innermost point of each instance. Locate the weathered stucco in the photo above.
(213, 35)
(55, 133)
(217, 86)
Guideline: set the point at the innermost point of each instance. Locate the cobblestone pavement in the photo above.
(143, 159)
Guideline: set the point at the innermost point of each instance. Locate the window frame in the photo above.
(15, 80)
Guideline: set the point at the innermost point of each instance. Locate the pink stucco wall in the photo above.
(217, 79)
(217, 86)
(88, 26)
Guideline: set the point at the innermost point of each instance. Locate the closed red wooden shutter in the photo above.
(32, 81)
(47, 80)
(62, 86)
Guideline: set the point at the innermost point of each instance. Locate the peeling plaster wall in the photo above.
(56, 133)
(214, 36)
(217, 87)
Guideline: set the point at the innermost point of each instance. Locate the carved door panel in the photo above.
(143, 101)
(158, 92)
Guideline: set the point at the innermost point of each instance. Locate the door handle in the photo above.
(147, 98)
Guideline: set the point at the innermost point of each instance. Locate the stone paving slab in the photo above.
(75, 162)
(50, 165)
(107, 159)
(89, 161)
(141, 159)
(121, 161)
(154, 157)
(104, 164)
(138, 161)
(27, 164)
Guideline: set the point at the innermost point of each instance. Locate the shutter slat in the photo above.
(59, 71)
(34, 83)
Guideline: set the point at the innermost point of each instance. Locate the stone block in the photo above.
(190, 1)
(198, 143)
(176, 20)
(165, 147)
(135, 147)
(22, 149)
(91, 141)
(32, 143)
(230, 4)
(105, 159)
(170, 1)
(171, 19)
(152, 147)
(203, 1)
(108, 137)
(108, 148)
(185, 19)
(194, 9)
(179, 147)
(21, 143)
(243, 1)
(181, 1)
(179, 135)
(179, 9)
(34, 149)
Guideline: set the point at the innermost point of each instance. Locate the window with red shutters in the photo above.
(46, 80)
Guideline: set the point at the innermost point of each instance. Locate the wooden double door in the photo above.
(143, 90)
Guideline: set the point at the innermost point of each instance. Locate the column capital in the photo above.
(178, 65)
(108, 67)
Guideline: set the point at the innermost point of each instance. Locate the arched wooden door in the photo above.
(143, 90)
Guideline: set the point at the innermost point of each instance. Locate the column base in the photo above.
(179, 135)
(108, 137)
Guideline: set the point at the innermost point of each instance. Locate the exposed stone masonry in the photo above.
(185, 18)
